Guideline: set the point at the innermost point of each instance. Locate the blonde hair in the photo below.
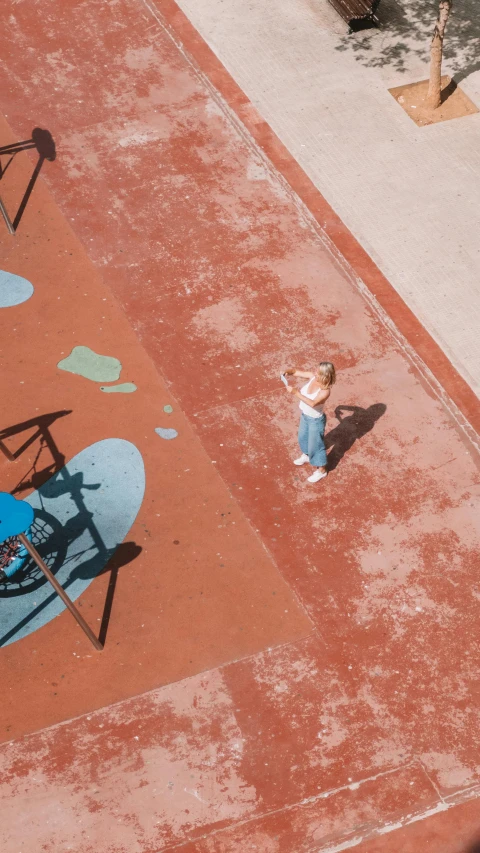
(326, 374)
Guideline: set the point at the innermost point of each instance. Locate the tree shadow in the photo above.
(406, 31)
(473, 848)
(342, 437)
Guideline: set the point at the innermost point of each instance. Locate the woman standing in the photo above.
(313, 396)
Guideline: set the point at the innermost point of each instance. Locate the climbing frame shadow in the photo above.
(59, 538)
(42, 141)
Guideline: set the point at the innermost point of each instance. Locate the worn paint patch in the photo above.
(227, 320)
(14, 289)
(123, 388)
(166, 433)
(170, 764)
(83, 361)
(449, 769)
(82, 514)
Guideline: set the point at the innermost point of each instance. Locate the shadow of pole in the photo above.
(124, 554)
(121, 556)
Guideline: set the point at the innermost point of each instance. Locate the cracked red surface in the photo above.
(225, 279)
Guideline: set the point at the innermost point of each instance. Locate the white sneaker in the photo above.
(316, 476)
(301, 459)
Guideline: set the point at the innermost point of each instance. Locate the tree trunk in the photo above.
(436, 52)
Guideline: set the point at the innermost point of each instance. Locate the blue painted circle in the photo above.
(91, 503)
(14, 289)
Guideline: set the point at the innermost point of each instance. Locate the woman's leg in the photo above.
(303, 434)
(316, 445)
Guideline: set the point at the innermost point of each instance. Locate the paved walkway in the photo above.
(329, 635)
(409, 195)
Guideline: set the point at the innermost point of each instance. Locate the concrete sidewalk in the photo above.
(329, 634)
(409, 195)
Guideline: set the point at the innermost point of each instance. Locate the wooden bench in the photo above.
(357, 13)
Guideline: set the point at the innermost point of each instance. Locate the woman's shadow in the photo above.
(350, 428)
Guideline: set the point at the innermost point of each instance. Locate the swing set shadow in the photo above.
(55, 478)
(42, 141)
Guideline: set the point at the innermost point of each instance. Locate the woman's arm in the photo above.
(302, 374)
(320, 398)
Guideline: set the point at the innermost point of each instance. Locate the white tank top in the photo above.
(317, 412)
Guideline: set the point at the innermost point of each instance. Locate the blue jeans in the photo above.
(310, 439)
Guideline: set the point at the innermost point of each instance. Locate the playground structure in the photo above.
(17, 545)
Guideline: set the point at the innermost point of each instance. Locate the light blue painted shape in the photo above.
(168, 409)
(92, 502)
(13, 289)
(164, 432)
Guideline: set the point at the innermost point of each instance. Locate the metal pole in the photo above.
(6, 217)
(60, 591)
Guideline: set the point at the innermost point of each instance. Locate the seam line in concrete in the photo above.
(104, 708)
(426, 773)
(324, 795)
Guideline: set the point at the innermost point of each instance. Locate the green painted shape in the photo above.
(124, 388)
(85, 362)
(168, 409)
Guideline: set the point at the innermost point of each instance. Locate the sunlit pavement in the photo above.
(286, 667)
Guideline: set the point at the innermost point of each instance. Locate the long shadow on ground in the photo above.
(351, 427)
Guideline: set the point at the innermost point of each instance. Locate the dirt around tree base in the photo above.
(413, 99)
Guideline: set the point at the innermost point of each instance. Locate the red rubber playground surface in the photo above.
(286, 667)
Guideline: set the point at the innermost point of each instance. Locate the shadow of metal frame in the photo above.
(42, 141)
